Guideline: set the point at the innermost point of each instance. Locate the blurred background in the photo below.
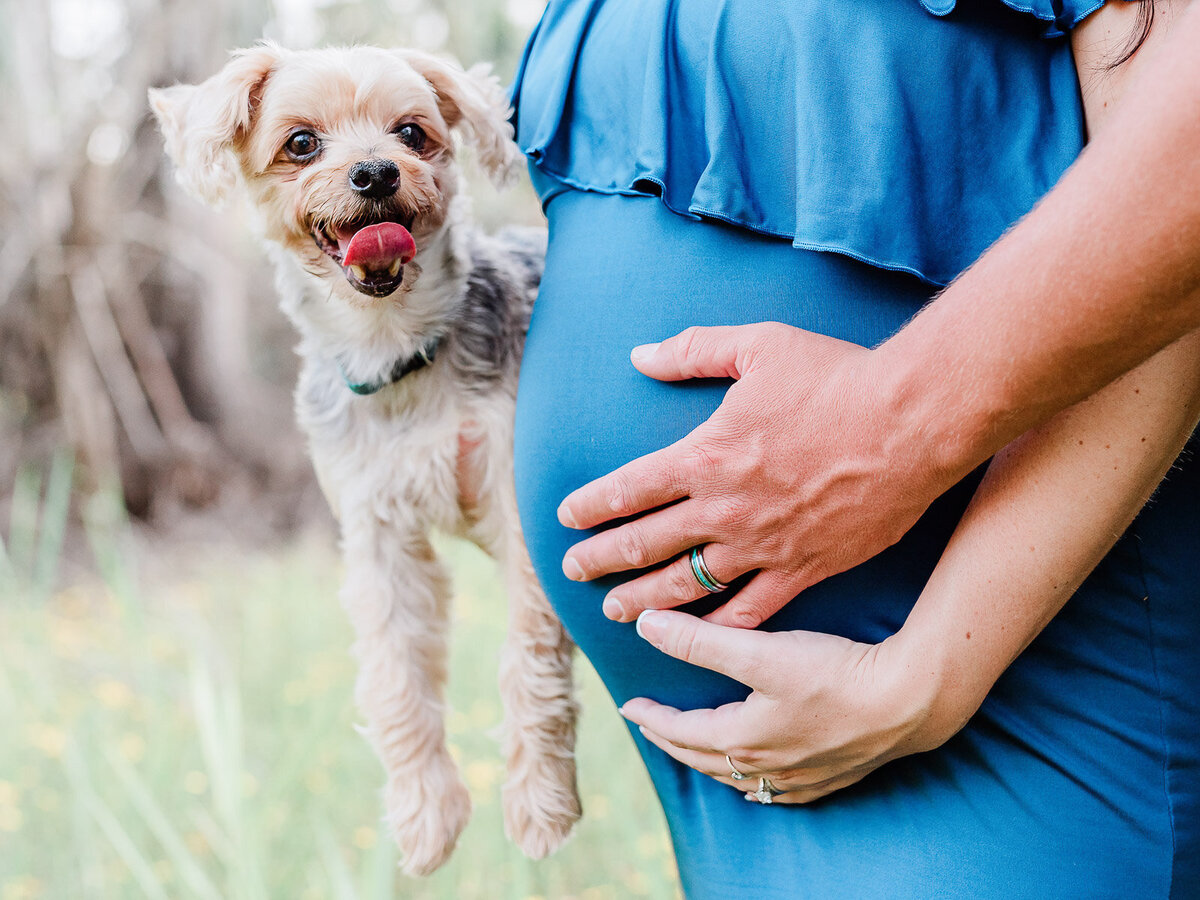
(176, 717)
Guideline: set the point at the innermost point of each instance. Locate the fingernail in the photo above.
(565, 517)
(621, 710)
(572, 569)
(650, 626)
(613, 609)
(643, 352)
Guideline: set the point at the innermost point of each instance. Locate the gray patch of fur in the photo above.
(488, 330)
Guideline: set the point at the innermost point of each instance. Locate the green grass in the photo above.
(192, 737)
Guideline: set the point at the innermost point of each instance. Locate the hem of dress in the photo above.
(698, 214)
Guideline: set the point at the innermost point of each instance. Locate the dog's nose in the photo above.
(375, 178)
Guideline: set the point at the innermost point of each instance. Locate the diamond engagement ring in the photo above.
(766, 792)
(705, 577)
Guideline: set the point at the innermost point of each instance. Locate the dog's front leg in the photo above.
(397, 597)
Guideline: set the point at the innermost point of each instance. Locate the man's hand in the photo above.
(798, 475)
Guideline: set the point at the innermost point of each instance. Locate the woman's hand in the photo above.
(805, 470)
(824, 711)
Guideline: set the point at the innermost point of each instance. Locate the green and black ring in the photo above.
(705, 577)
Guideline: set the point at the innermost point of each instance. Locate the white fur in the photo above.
(433, 450)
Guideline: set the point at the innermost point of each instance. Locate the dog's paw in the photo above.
(426, 813)
(541, 808)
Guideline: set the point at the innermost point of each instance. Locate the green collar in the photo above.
(423, 357)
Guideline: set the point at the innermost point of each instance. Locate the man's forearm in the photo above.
(1100, 276)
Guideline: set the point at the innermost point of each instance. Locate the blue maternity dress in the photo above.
(830, 165)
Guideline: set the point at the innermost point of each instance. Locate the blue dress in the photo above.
(830, 165)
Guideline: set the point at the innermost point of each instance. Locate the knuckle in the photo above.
(772, 334)
(631, 546)
(746, 616)
(616, 494)
(699, 464)
(686, 344)
(774, 330)
(759, 673)
(686, 642)
(681, 582)
(730, 510)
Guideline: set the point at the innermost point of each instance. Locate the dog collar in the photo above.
(423, 357)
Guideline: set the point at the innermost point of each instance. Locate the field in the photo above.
(182, 727)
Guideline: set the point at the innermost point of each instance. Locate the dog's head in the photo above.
(348, 154)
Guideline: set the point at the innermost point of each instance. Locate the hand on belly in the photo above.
(790, 481)
(824, 711)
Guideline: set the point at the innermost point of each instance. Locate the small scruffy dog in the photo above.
(411, 328)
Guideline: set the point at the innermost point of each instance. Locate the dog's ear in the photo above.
(474, 104)
(200, 122)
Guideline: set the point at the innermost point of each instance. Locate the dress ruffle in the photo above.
(871, 129)
(1060, 16)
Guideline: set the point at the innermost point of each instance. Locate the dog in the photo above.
(411, 326)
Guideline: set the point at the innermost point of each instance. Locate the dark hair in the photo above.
(1145, 21)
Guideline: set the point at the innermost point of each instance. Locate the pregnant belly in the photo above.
(623, 271)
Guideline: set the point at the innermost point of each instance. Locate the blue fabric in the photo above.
(1079, 776)
(920, 140)
(872, 129)
(1060, 16)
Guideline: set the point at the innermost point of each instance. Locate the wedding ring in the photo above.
(703, 576)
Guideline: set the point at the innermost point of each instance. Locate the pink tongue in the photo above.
(376, 247)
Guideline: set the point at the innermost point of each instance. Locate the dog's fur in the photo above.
(433, 449)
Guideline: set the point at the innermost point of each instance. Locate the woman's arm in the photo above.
(825, 711)
(1050, 507)
(1104, 273)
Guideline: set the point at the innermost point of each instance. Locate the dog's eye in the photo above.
(302, 146)
(411, 135)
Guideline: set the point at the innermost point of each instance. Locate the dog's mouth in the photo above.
(372, 253)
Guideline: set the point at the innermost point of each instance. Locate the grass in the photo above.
(193, 736)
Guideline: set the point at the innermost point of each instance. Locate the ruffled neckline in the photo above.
(874, 130)
(1060, 16)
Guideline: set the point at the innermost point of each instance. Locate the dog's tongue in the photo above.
(376, 247)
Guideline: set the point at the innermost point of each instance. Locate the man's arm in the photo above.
(823, 454)
(1100, 276)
